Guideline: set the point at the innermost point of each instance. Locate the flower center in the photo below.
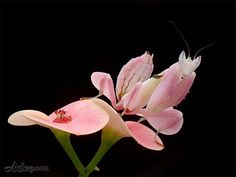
(61, 118)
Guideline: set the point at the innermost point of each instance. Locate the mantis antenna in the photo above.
(206, 46)
(182, 36)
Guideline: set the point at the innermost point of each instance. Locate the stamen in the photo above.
(61, 118)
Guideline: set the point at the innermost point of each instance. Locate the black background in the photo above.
(50, 49)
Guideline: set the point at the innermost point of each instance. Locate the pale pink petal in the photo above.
(136, 70)
(133, 98)
(117, 128)
(167, 122)
(119, 106)
(86, 117)
(145, 136)
(20, 118)
(137, 97)
(103, 82)
(147, 90)
(116, 123)
(143, 95)
(172, 89)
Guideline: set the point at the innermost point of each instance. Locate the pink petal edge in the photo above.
(19, 118)
(136, 70)
(142, 134)
(133, 97)
(87, 118)
(145, 136)
(103, 82)
(167, 122)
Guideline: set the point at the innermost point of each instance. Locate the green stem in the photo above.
(106, 143)
(64, 140)
(104, 147)
(84, 175)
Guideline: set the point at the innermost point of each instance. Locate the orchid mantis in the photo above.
(137, 93)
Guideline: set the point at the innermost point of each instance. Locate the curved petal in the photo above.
(167, 122)
(145, 136)
(20, 118)
(86, 118)
(117, 129)
(133, 98)
(103, 82)
(119, 106)
(171, 91)
(138, 96)
(144, 95)
(115, 125)
(148, 88)
(136, 70)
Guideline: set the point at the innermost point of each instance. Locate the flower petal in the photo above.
(133, 97)
(20, 118)
(136, 70)
(144, 94)
(167, 122)
(115, 124)
(138, 96)
(148, 88)
(117, 129)
(103, 82)
(86, 116)
(145, 136)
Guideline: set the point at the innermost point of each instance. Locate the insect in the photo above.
(187, 64)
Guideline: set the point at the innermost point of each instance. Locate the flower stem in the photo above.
(64, 140)
(84, 175)
(106, 143)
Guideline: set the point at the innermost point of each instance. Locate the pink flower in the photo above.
(136, 93)
(78, 118)
(117, 129)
